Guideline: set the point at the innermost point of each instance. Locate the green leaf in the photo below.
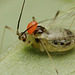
(30, 61)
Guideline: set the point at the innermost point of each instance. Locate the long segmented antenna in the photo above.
(42, 20)
(20, 18)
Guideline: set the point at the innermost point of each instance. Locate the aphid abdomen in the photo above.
(58, 40)
(63, 44)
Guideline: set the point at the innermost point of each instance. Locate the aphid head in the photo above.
(22, 36)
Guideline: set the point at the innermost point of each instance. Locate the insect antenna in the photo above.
(49, 56)
(37, 23)
(20, 18)
(56, 15)
(6, 27)
(42, 21)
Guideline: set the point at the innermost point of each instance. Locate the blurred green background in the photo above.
(41, 9)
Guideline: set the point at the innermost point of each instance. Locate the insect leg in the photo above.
(49, 56)
(56, 15)
(6, 27)
(33, 18)
(71, 23)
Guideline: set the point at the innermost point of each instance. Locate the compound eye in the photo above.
(55, 42)
(23, 37)
(24, 40)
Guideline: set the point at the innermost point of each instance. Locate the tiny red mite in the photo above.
(32, 29)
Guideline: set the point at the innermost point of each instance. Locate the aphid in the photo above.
(49, 40)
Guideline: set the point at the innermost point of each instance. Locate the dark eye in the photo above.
(37, 40)
(55, 42)
(23, 37)
(24, 40)
(62, 43)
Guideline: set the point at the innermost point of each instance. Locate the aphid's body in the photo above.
(54, 40)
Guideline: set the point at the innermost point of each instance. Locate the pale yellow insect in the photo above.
(48, 35)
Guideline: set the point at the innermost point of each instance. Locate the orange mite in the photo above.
(32, 29)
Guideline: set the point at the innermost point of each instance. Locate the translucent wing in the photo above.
(63, 19)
